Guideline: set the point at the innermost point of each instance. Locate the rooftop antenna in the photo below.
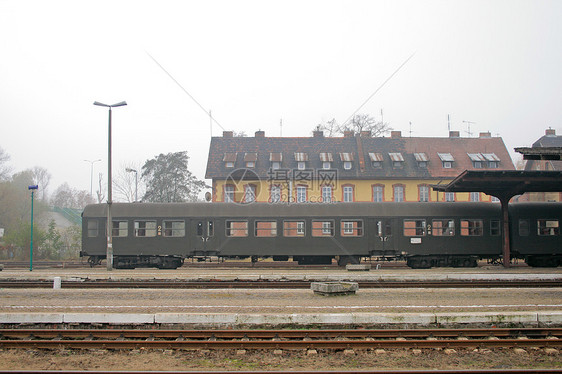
(469, 123)
(382, 117)
(281, 127)
(211, 122)
(410, 129)
(449, 122)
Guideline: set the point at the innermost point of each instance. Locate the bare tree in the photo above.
(359, 123)
(128, 184)
(5, 169)
(101, 191)
(330, 128)
(42, 178)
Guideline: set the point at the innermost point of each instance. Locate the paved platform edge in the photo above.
(306, 319)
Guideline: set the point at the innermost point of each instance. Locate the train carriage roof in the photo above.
(405, 209)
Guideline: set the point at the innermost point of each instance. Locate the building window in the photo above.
(250, 164)
(293, 228)
(475, 196)
(275, 165)
(322, 228)
(472, 227)
(236, 228)
(145, 228)
(493, 164)
(174, 228)
(450, 197)
(548, 227)
(265, 229)
(377, 164)
(494, 199)
(120, 228)
(447, 164)
(398, 194)
(378, 194)
(422, 164)
(228, 193)
(229, 164)
(524, 229)
(301, 165)
(301, 194)
(477, 164)
(326, 165)
(347, 194)
(347, 165)
(424, 193)
(249, 193)
(326, 194)
(352, 227)
(275, 194)
(443, 227)
(93, 228)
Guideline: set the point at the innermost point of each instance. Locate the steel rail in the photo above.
(280, 334)
(284, 345)
(218, 284)
(391, 371)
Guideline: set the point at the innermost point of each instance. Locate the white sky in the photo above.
(495, 63)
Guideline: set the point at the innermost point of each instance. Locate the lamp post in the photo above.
(109, 252)
(32, 189)
(136, 181)
(91, 173)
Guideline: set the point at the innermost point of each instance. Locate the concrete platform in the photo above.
(235, 320)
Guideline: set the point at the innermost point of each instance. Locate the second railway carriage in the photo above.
(424, 234)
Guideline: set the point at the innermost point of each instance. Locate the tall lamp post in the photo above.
(91, 173)
(109, 252)
(136, 181)
(32, 189)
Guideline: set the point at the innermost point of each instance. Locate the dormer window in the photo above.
(229, 160)
(327, 160)
(397, 160)
(347, 159)
(477, 160)
(250, 159)
(275, 159)
(301, 159)
(492, 159)
(326, 165)
(421, 159)
(376, 160)
(446, 159)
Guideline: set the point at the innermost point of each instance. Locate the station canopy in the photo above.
(540, 153)
(504, 184)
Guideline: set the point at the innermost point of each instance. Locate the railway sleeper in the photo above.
(426, 262)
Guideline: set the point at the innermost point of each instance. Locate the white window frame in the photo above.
(228, 193)
(347, 194)
(301, 194)
(378, 191)
(398, 197)
(347, 165)
(424, 193)
(326, 194)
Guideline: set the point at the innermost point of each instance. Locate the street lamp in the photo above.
(32, 189)
(109, 252)
(136, 181)
(91, 173)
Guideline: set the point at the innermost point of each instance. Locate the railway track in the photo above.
(117, 339)
(450, 371)
(286, 284)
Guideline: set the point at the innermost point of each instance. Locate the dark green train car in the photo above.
(424, 234)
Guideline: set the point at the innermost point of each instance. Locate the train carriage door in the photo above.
(382, 243)
(204, 243)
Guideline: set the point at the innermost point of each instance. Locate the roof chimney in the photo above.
(260, 134)
(485, 134)
(550, 132)
(365, 134)
(348, 134)
(396, 134)
(228, 134)
(318, 134)
(454, 134)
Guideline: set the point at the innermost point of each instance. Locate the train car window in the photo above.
(210, 228)
(524, 227)
(294, 228)
(414, 227)
(145, 228)
(200, 228)
(323, 228)
(236, 228)
(443, 227)
(548, 227)
(265, 229)
(495, 227)
(472, 227)
(352, 227)
(174, 228)
(93, 228)
(120, 228)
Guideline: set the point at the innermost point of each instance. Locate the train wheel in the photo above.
(345, 260)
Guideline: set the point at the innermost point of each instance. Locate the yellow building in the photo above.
(352, 168)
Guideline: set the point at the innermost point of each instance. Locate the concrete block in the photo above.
(31, 318)
(487, 317)
(263, 319)
(358, 267)
(322, 319)
(424, 319)
(111, 318)
(334, 288)
(550, 318)
(194, 318)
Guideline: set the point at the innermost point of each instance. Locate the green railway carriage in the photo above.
(424, 234)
